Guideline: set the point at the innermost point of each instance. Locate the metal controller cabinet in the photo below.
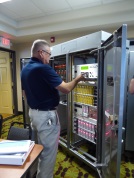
(92, 115)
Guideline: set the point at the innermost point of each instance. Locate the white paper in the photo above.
(16, 159)
(12, 147)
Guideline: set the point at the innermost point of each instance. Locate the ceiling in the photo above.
(25, 20)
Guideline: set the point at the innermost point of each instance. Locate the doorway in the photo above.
(8, 90)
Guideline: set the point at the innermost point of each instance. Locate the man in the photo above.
(41, 86)
(131, 86)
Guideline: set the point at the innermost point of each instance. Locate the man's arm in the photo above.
(67, 87)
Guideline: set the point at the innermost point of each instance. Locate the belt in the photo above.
(51, 109)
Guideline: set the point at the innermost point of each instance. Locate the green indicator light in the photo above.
(109, 68)
(84, 68)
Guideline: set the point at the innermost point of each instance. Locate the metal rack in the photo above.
(94, 111)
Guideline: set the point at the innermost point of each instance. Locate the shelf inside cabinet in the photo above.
(88, 83)
(85, 104)
(88, 119)
(86, 138)
(86, 94)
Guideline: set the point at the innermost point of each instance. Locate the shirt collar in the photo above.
(36, 59)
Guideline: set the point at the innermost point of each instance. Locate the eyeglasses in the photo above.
(46, 52)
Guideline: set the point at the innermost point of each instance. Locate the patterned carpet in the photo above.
(68, 166)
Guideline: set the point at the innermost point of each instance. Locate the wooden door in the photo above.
(6, 100)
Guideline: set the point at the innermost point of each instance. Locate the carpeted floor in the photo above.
(68, 166)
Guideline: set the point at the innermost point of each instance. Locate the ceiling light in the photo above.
(1, 1)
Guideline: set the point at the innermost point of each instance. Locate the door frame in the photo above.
(14, 81)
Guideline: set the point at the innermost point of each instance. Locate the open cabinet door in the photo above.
(25, 106)
(114, 56)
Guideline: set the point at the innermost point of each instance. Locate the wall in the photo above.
(23, 51)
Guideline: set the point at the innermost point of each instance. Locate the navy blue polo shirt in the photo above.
(39, 81)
